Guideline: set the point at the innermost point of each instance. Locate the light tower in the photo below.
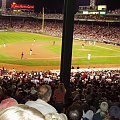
(3, 6)
(92, 3)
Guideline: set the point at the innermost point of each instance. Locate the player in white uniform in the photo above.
(30, 51)
(89, 56)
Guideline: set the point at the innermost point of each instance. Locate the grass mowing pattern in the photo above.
(100, 53)
(12, 37)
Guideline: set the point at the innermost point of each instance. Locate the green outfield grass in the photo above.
(100, 53)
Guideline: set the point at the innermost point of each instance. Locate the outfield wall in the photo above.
(87, 69)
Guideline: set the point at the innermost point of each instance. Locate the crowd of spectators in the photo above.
(116, 11)
(110, 15)
(54, 16)
(95, 95)
(25, 13)
(96, 32)
(98, 17)
(99, 32)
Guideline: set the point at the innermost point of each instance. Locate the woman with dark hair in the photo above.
(74, 112)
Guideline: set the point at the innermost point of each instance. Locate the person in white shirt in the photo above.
(30, 51)
(4, 45)
(82, 45)
(89, 56)
(44, 95)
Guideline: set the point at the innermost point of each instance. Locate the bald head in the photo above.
(44, 92)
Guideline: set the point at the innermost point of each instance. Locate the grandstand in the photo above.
(103, 26)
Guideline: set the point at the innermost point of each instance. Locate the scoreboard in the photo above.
(87, 10)
(93, 12)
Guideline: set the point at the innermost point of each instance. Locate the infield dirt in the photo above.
(39, 52)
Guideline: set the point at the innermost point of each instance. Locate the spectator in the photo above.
(21, 112)
(1, 94)
(102, 113)
(114, 112)
(7, 103)
(44, 95)
(87, 113)
(56, 116)
(74, 112)
(58, 97)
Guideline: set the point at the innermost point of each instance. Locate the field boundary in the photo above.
(38, 68)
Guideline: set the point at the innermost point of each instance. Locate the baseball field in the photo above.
(46, 52)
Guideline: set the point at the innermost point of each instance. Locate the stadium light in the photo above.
(92, 3)
(3, 6)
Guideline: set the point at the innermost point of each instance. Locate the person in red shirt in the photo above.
(58, 97)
